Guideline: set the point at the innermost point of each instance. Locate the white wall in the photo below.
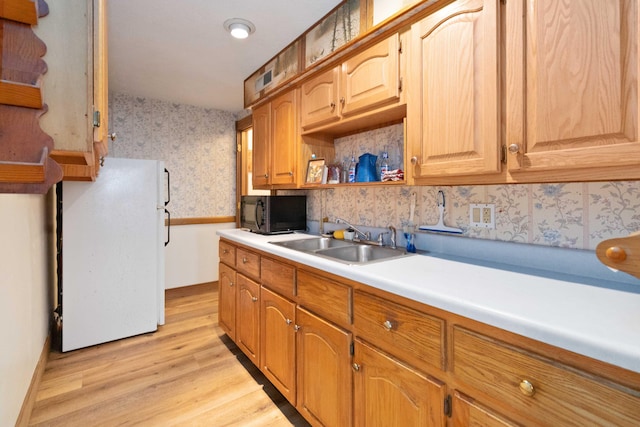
(192, 254)
(24, 296)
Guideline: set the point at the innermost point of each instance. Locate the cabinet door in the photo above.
(572, 88)
(371, 78)
(389, 393)
(319, 98)
(277, 342)
(324, 371)
(453, 101)
(284, 140)
(261, 145)
(227, 300)
(466, 413)
(248, 317)
(100, 78)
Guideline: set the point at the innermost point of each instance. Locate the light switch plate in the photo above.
(482, 215)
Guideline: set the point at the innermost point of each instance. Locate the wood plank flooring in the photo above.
(187, 373)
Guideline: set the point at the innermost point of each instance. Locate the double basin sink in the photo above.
(347, 252)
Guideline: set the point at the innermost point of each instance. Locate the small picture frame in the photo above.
(315, 171)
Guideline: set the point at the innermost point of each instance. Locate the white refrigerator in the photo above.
(111, 281)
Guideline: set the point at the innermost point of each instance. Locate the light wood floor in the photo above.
(186, 373)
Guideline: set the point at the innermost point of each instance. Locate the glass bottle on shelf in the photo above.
(384, 165)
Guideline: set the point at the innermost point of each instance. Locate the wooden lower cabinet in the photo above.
(390, 393)
(324, 371)
(467, 413)
(248, 317)
(227, 300)
(346, 354)
(278, 343)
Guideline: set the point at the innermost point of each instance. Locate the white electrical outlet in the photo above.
(482, 215)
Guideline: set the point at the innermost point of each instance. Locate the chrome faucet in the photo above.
(365, 235)
(392, 237)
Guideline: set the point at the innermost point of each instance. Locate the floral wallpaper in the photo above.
(571, 215)
(197, 145)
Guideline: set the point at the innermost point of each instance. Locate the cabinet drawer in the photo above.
(408, 334)
(330, 299)
(560, 395)
(248, 263)
(227, 253)
(278, 276)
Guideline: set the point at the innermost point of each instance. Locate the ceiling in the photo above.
(179, 51)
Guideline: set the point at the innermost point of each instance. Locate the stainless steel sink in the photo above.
(313, 244)
(343, 251)
(362, 254)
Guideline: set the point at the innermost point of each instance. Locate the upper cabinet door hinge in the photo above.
(96, 119)
(447, 406)
(351, 349)
(503, 154)
(400, 85)
(400, 46)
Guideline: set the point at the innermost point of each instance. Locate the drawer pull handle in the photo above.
(527, 388)
(388, 325)
(225, 251)
(356, 367)
(254, 299)
(244, 260)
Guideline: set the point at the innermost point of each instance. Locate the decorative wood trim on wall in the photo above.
(202, 220)
(25, 165)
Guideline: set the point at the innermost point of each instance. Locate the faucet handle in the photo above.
(381, 238)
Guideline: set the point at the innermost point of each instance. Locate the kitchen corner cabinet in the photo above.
(453, 104)
(369, 80)
(75, 85)
(572, 90)
(275, 143)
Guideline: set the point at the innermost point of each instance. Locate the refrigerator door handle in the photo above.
(168, 226)
(166, 202)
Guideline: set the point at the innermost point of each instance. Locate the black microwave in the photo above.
(273, 214)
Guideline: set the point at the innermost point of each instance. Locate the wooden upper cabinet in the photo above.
(365, 81)
(371, 78)
(453, 103)
(319, 99)
(284, 141)
(261, 145)
(75, 86)
(275, 142)
(572, 89)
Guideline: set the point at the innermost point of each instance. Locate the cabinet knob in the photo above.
(388, 325)
(288, 321)
(254, 299)
(527, 388)
(616, 254)
(514, 148)
(230, 284)
(290, 173)
(296, 328)
(332, 105)
(342, 100)
(414, 160)
(356, 367)
(244, 260)
(266, 175)
(225, 251)
(113, 136)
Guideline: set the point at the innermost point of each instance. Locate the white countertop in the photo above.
(571, 313)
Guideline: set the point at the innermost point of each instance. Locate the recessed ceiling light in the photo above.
(239, 28)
